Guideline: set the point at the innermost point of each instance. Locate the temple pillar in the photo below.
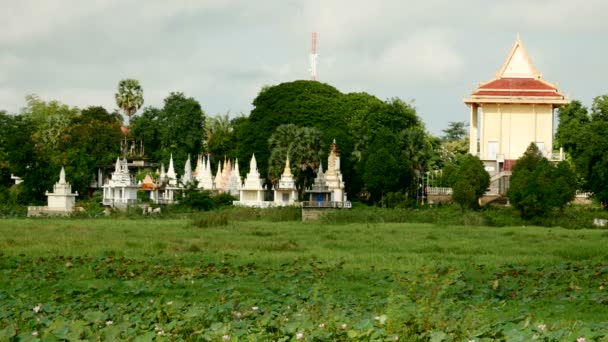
(473, 130)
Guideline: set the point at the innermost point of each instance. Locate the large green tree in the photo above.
(537, 186)
(585, 140)
(384, 168)
(129, 97)
(181, 127)
(93, 141)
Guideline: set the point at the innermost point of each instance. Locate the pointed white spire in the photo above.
(206, 180)
(62, 176)
(218, 176)
(199, 166)
(163, 174)
(236, 167)
(117, 168)
(234, 183)
(253, 164)
(171, 172)
(187, 178)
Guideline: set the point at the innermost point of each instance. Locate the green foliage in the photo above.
(146, 128)
(129, 97)
(573, 119)
(181, 127)
(383, 167)
(93, 141)
(471, 182)
(536, 185)
(220, 138)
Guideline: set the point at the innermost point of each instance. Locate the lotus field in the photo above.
(167, 279)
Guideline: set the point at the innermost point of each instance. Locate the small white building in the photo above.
(285, 193)
(60, 202)
(120, 191)
(252, 191)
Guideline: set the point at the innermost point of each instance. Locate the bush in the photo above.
(471, 182)
(537, 186)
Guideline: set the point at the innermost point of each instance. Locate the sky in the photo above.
(431, 53)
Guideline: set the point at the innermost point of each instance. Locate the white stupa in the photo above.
(252, 191)
(171, 175)
(333, 176)
(120, 191)
(234, 182)
(285, 193)
(205, 181)
(187, 178)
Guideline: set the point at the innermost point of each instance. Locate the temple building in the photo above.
(511, 111)
(60, 202)
(120, 191)
(285, 193)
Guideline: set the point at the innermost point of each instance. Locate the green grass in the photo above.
(418, 280)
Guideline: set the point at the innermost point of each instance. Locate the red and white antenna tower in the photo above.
(313, 57)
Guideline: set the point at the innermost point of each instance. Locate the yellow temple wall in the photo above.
(508, 129)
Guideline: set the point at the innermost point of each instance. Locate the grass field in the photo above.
(167, 279)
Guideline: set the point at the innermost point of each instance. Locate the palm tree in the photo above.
(130, 96)
(301, 144)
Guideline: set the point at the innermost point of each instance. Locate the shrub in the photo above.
(537, 186)
(471, 182)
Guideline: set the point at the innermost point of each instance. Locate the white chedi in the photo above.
(187, 178)
(234, 182)
(205, 181)
(252, 191)
(121, 190)
(62, 198)
(285, 193)
(171, 175)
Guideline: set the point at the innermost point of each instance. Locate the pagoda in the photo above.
(205, 179)
(285, 193)
(252, 191)
(60, 202)
(511, 111)
(234, 182)
(333, 175)
(120, 191)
